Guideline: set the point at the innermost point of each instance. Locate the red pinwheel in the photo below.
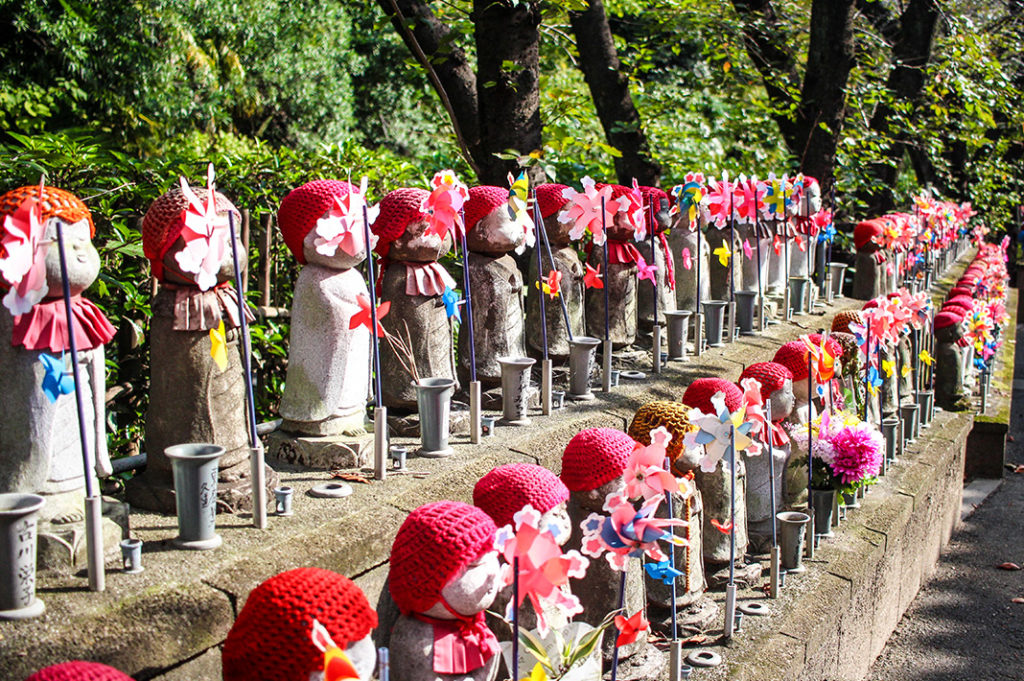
(724, 528)
(630, 628)
(592, 277)
(552, 284)
(777, 245)
(645, 271)
(363, 318)
(687, 259)
(645, 473)
(720, 201)
(205, 234)
(444, 204)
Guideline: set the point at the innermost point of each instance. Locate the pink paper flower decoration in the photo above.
(443, 206)
(23, 260)
(584, 212)
(342, 227)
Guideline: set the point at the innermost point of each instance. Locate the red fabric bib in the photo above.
(461, 645)
(45, 326)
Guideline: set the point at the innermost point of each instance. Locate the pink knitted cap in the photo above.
(507, 489)
(595, 457)
(398, 210)
(550, 198)
(699, 393)
(947, 318)
(483, 200)
(79, 670)
(432, 545)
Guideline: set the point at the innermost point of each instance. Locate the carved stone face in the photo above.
(783, 401)
(83, 261)
(226, 272)
(621, 228)
(339, 261)
(559, 517)
(662, 219)
(800, 394)
(496, 234)
(416, 246)
(558, 232)
(950, 334)
(593, 500)
(810, 203)
(472, 590)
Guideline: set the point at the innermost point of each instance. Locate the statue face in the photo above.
(621, 228)
(662, 219)
(226, 272)
(496, 234)
(83, 261)
(416, 246)
(593, 500)
(559, 517)
(558, 232)
(783, 401)
(473, 588)
(799, 393)
(950, 334)
(810, 203)
(339, 261)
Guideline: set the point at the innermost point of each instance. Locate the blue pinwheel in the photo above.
(874, 379)
(663, 570)
(56, 379)
(451, 304)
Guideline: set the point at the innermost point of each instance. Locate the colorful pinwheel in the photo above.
(628, 532)
(443, 206)
(584, 211)
(57, 380)
(452, 303)
(715, 433)
(337, 665)
(363, 316)
(23, 255)
(630, 628)
(645, 474)
(205, 234)
(342, 226)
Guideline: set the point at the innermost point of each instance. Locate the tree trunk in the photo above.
(507, 84)
(609, 89)
(911, 54)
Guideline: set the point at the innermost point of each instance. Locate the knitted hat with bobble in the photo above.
(662, 413)
(270, 640)
(398, 210)
(770, 375)
(699, 393)
(303, 207)
(79, 670)
(842, 320)
(595, 457)
(432, 545)
(550, 198)
(507, 489)
(56, 203)
(793, 356)
(165, 220)
(483, 201)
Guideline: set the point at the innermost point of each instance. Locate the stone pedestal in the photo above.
(325, 453)
(715, 488)
(63, 546)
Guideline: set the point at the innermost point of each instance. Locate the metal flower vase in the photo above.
(798, 294)
(909, 414)
(792, 527)
(434, 400)
(891, 431)
(714, 319)
(745, 305)
(926, 401)
(823, 501)
(838, 272)
(581, 366)
(678, 331)
(195, 494)
(515, 389)
(18, 514)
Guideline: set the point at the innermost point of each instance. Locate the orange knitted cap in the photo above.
(483, 200)
(699, 393)
(507, 489)
(662, 413)
(79, 670)
(595, 457)
(843, 319)
(305, 205)
(270, 640)
(432, 545)
(550, 198)
(793, 356)
(166, 218)
(56, 203)
(398, 210)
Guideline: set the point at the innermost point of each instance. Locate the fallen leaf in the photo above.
(1008, 566)
(1019, 469)
(695, 640)
(349, 477)
(1017, 600)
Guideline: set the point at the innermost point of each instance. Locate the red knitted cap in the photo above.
(398, 210)
(653, 196)
(595, 457)
(270, 640)
(483, 201)
(870, 304)
(699, 393)
(960, 290)
(617, 189)
(79, 670)
(966, 301)
(305, 205)
(550, 198)
(507, 489)
(947, 318)
(793, 356)
(842, 320)
(959, 307)
(771, 375)
(864, 231)
(56, 203)
(166, 218)
(831, 344)
(433, 544)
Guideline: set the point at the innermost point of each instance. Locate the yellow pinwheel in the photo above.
(724, 253)
(538, 674)
(888, 366)
(219, 346)
(926, 357)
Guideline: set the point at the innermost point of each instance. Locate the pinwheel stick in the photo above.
(757, 241)
(543, 234)
(622, 606)
(257, 477)
(383, 664)
(675, 652)
(380, 413)
(93, 502)
(469, 300)
(810, 450)
(545, 370)
(730, 589)
(732, 268)
(867, 369)
(766, 438)
(697, 319)
(656, 329)
(606, 360)
(515, 617)
(832, 202)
